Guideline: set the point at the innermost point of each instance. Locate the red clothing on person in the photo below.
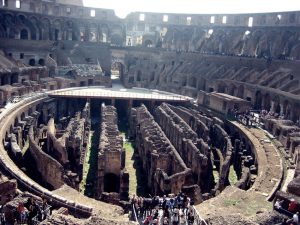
(292, 207)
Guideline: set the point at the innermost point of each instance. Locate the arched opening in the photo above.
(139, 76)
(267, 102)
(148, 44)
(152, 76)
(193, 82)
(42, 62)
(117, 71)
(184, 81)
(202, 84)
(111, 183)
(258, 100)
(116, 40)
(24, 34)
(32, 62)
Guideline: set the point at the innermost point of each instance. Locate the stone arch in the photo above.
(57, 30)
(202, 84)
(24, 34)
(193, 82)
(152, 76)
(34, 23)
(111, 183)
(139, 76)
(69, 31)
(93, 32)
(117, 40)
(119, 67)
(9, 23)
(42, 62)
(45, 29)
(104, 33)
(148, 43)
(31, 62)
(25, 22)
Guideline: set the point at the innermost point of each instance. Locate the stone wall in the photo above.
(50, 169)
(194, 152)
(112, 176)
(165, 169)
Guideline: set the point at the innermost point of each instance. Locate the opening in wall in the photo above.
(142, 17)
(279, 17)
(93, 13)
(68, 9)
(165, 18)
(18, 4)
(4, 2)
(250, 22)
(224, 19)
(212, 19)
(188, 20)
(21, 55)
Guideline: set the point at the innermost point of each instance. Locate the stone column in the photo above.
(281, 109)
(272, 106)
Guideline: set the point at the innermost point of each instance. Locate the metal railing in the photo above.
(106, 92)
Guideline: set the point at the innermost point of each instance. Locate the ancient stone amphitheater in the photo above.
(96, 109)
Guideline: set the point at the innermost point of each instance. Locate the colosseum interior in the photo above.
(99, 111)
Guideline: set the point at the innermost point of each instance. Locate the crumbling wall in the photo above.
(221, 140)
(111, 156)
(195, 152)
(55, 145)
(165, 169)
(50, 169)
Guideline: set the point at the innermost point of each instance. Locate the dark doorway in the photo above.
(111, 183)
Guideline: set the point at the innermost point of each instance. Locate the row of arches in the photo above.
(253, 42)
(20, 26)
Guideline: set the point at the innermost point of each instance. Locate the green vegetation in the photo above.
(128, 146)
(86, 166)
(88, 187)
(231, 202)
(232, 176)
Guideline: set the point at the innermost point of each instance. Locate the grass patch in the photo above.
(230, 202)
(232, 177)
(128, 146)
(86, 166)
(91, 177)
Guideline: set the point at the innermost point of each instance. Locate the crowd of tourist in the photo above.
(175, 210)
(292, 211)
(30, 212)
